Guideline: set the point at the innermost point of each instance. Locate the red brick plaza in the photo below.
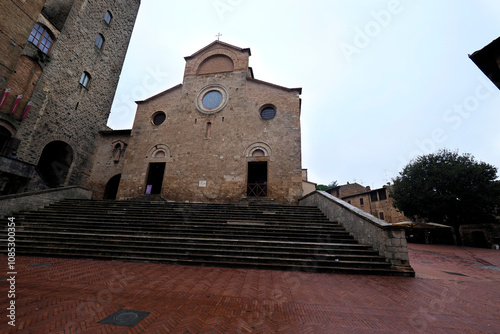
(456, 290)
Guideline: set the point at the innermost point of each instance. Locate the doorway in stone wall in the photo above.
(111, 189)
(155, 178)
(55, 163)
(257, 179)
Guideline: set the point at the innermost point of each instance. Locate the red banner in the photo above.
(4, 97)
(26, 110)
(16, 104)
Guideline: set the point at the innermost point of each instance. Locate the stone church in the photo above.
(220, 136)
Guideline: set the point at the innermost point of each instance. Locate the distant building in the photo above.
(307, 186)
(376, 202)
(488, 61)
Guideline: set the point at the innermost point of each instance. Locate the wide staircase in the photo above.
(253, 235)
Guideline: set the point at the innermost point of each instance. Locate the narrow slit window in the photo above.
(99, 41)
(108, 17)
(85, 79)
(209, 130)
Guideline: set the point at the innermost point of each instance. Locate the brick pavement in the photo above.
(72, 296)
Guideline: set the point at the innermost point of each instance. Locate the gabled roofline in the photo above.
(159, 94)
(298, 90)
(221, 43)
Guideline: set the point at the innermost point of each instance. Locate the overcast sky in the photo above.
(383, 81)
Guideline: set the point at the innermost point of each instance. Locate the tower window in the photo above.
(85, 79)
(108, 17)
(99, 41)
(41, 37)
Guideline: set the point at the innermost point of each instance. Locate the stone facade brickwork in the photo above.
(207, 154)
(109, 159)
(14, 31)
(389, 240)
(63, 111)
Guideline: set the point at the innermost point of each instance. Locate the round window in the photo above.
(212, 99)
(268, 113)
(159, 118)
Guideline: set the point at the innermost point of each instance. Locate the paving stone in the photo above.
(73, 296)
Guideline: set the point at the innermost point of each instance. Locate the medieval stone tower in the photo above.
(220, 136)
(60, 68)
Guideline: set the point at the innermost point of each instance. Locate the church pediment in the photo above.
(217, 57)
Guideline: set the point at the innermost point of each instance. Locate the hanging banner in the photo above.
(4, 97)
(26, 110)
(16, 104)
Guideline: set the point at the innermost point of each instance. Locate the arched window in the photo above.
(85, 79)
(99, 41)
(41, 37)
(108, 17)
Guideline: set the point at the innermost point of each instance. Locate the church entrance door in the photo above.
(257, 179)
(155, 178)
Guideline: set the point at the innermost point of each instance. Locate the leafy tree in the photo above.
(447, 188)
(332, 184)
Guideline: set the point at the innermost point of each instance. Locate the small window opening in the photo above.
(209, 130)
(85, 79)
(99, 41)
(361, 201)
(381, 215)
(108, 17)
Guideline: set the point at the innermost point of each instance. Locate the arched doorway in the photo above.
(5, 139)
(111, 189)
(55, 162)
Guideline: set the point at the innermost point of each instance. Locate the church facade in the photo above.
(220, 136)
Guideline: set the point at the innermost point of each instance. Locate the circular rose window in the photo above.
(211, 99)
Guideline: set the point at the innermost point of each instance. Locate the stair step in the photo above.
(246, 235)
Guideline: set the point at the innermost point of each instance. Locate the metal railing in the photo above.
(257, 189)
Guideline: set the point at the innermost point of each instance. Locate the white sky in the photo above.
(383, 81)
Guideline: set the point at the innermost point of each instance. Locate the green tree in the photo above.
(332, 184)
(447, 188)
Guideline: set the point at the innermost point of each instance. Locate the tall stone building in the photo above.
(60, 63)
(220, 136)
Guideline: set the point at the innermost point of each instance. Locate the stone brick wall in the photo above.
(34, 200)
(18, 18)
(207, 154)
(63, 110)
(387, 239)
(109, 159)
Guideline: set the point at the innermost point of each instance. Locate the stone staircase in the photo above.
(253, 235)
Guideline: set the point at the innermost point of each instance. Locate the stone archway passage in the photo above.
(111, 189)
(55, 162)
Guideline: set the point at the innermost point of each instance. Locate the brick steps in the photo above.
(268, 237)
